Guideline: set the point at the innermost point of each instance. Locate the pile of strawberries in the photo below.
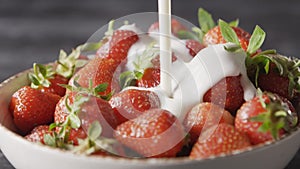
(83, 105)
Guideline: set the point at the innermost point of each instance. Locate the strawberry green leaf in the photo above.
(205, 19)
(49, 140)
(228, 33)
(101, 88)
(87, 47)
(74, 121)
(52, 126)
(256, 40)
(127, 78)
(199, 33)
(182, 34)
(41, 75)
(234, 23)
(94, 130)
(233, 49)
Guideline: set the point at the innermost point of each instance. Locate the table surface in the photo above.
(35, 30)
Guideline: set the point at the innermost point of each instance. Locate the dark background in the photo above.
(35, 30)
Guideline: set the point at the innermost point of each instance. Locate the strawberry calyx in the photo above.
(256, 40)
(141, 63)
(41, 75)
(94, 142)
(277, 116)
(67, 64)
(91, 91)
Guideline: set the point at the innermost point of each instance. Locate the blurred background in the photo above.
(35, 30)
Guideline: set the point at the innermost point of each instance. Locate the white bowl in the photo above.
(26, 155)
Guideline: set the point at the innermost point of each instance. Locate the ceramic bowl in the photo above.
(23, 154)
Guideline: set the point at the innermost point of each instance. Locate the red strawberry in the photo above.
(55, 87)
(217, 140)
(156, 61)
(265, 118)
(227, 93)
(176, 26)
(150, 78)
(214, 36)
(194, 46)
(131, 103)
(119, 44)
(99, 70)
(31, 107)
(155, 133)
(203, 116)
(37, 134)
(93, 109)
(264, 70)
(45, 79)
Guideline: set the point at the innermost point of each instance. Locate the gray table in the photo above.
(35, 30)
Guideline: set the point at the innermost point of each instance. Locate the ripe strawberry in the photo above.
(45, 79)
(155, 133)
(119, 44)
(156, 61)
(131, 103)
(194, 46)
(227, 93)
(92, 109)
(37, 134)
(99, 71)
(264, 118)
(176, 26)
(55, 85)
(217, 140)
(264, 70)
(150, 78)
(203, 116)
(31, 107)
(214, 36)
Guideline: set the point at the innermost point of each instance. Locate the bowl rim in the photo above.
(160, 161)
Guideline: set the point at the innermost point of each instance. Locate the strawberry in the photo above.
(93, 108)
(203, 116)
(265, 118)
(118, 45)
(194, 46)
(31, 107)
(37, 134)
(45, 79)
(176, 26)
(266, 69)
(227, 93)
(156, 61)
(218, 140)
(60, 116)
(55, 86)
(99, 71)
(155, 133)
(150, 78)
(131, 103)
(214, 36)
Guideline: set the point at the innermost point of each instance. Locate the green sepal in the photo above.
(41, 75)
(101, 87)
(205, 20)
(228, 33)
(94, 131)
(256, 40)
(182, 34)
(234, 23)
